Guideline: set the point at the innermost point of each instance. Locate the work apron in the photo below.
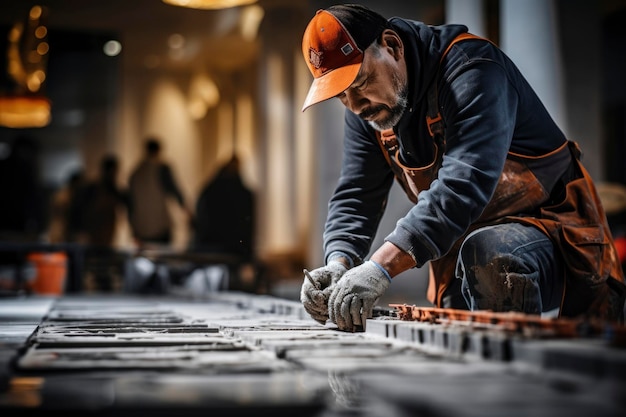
(594, 281)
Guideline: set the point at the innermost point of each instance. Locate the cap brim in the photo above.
(332, 84)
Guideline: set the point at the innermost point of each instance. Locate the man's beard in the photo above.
(395, 112)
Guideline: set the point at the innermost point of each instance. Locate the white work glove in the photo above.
(353, 298)
(314, 295)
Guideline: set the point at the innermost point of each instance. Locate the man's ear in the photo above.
(390, 39)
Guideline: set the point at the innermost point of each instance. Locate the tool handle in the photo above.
(310, 278)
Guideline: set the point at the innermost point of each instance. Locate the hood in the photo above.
(423, 45)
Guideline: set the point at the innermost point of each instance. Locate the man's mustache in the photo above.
(371, 111)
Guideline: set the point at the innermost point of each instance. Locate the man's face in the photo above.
(379, 92)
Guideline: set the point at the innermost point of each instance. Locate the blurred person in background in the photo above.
(150, 187)
(224, 221)
(64, 220)
(225, 225)
(100, 206)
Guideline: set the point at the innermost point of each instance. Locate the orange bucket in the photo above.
(51, 270)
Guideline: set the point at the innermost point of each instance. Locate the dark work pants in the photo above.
(510, 267)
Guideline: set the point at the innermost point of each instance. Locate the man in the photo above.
(150, 186)
(98, 204)
(504, 211)
(225, 214)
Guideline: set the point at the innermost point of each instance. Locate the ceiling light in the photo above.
(24, 111)
(112, 48)
(209, 4)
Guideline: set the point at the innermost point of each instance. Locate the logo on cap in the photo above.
(315, 58)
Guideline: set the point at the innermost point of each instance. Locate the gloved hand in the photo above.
(356, 294)
(314, 295)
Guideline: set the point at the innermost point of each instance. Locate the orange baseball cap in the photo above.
(333, 45)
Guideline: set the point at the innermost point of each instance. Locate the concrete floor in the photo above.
(238, 354)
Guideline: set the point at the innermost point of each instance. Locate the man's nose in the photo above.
(354, 101)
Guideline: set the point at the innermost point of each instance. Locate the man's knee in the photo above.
(495, 276)
(501, 285)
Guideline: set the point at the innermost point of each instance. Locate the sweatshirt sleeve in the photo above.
(360, 197)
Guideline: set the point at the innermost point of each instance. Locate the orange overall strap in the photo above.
(461, 37)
